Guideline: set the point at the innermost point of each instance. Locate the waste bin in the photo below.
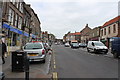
(19, 59)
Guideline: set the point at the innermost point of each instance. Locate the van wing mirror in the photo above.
(93, 44)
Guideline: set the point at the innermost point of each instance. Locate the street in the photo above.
(66, 62)
(61, 39)
(78, 63)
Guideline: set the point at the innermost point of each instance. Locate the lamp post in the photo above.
(9, 40)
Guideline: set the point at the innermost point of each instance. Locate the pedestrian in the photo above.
(3, 48)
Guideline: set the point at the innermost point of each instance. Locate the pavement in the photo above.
(34, 72)
(12, 48)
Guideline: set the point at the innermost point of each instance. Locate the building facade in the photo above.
(12, 21)
(85, 34)
(110, 29)
(72, 36)
(94, 34)
(17, 20)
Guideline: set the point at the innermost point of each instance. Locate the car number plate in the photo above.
(32, 54)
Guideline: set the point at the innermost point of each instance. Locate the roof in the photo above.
(76, 33)
(111, 21)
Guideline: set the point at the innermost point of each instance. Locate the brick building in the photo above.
(20, 22)
(94, 34)
(12, 18)
(72, 36)
(110, 29)
(85, 34)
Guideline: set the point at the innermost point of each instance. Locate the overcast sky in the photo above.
(60, 16)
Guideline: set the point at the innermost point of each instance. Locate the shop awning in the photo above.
(12, 29)
(17, 30)
(33, 36)
(26, 34)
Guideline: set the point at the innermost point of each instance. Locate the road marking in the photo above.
(55, 76)
(54, 62)
(54, 66)
(92, 54)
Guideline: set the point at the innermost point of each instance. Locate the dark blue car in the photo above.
(115, 46)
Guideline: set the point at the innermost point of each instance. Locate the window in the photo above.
(20, 23)
(109, 30)
(21, 7)
(33, 46)
(101, 32)
(11, 16)
(13, 1)
(105, 31)
(10, 0)
(17, 4)
(114, 28)
(93, 35)
(16, 19)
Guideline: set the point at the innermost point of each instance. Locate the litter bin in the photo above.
(19, 59)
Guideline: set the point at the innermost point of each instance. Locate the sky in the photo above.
(61, 16)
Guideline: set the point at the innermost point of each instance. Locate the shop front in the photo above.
(15, 36)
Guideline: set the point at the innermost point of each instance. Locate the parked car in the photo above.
(97, 47)
(74, 45)
(35, 51)
(47, 47)
(67, 44)
(57, 43)
(82, 45)
(115, 46)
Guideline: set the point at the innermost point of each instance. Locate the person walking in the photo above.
(4, 50)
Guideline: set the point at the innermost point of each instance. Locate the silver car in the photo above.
(35, 51)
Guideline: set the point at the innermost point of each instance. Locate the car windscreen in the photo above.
(75, 44)
(98, 44)
(33, 46)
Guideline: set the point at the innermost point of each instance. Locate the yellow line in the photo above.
(55, 76)
(54, 62)
(54, 66)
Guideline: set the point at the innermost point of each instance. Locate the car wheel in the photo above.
(115, 55)
(88, 50)
(43, 61)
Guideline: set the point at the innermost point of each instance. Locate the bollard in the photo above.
(26, 67)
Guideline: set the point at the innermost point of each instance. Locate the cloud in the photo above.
(83, 1)
(60, 17)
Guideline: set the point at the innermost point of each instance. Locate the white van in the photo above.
(97, 47)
